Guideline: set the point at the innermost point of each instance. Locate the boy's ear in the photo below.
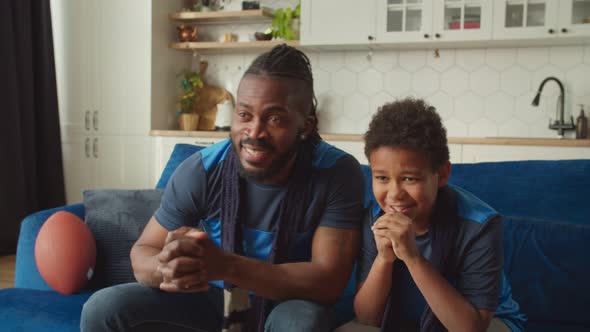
(443, 174)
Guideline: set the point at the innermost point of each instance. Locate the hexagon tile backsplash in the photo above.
(478, 92)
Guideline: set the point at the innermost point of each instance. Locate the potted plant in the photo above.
(190, 81)
(285, 23)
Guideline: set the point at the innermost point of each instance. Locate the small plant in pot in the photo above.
(285, 23)
(189, 82)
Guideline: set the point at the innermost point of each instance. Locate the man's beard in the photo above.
(276, 165)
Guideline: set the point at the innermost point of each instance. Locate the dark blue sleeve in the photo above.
(184, 199)
(368, 250)
(344, 207)
(480, 273)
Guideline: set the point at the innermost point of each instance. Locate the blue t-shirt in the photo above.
(478, 254)
(193, 198)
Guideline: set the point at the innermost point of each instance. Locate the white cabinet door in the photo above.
(73, 168)
(574, 18)
(433, 20)
(72, 28)
(124, 62)
(462, 20)
(122, 162)
(517, 19)
(337, 22)
(103, 67)
(404, 21)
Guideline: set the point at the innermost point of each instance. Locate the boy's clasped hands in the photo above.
(395, 237)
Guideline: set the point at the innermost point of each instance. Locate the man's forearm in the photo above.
(305, 280)
(145, 265)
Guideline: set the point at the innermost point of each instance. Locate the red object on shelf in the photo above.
(466, 25)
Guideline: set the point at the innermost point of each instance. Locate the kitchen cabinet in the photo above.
(541, 19)
(433, 20)
(328, 22)
(103, 80)
(337, 22)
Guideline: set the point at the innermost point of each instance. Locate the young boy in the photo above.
(431, 257)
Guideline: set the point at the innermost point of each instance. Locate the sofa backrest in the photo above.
(546, 227)
(179, 154)
(554, 190)
(546, 230)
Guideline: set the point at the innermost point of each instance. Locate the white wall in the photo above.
(478, 92)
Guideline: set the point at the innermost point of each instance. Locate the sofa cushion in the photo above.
(547, 268)
(543, 189)
(40, 311)
(116, 219)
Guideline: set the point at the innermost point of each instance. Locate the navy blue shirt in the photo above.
(478, 256)
(193, 198)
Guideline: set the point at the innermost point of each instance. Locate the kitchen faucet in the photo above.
(559, 123)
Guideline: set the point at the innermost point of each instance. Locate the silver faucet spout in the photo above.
(560, 124)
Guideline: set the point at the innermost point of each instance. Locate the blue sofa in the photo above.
(546, 228)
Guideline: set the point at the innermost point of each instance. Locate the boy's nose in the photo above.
(395, 193)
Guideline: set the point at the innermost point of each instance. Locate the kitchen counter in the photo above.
(533, 141)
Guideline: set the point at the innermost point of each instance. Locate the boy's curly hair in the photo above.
(409, 124)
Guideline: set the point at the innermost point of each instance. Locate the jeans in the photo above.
(133, 307)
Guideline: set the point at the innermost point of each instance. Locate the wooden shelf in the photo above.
(216, 47)
(242, 16)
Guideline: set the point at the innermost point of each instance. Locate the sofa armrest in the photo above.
(26, 274)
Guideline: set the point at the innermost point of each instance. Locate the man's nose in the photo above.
(256, 129)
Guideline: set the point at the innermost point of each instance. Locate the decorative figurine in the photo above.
(187, 33)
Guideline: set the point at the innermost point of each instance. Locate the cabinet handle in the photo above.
(87, 147)
(437, 35)
(551, 31)
(564, 30)
(426, 36)
(95, 148)
(371, 38)
(95, 120)
(87, 120)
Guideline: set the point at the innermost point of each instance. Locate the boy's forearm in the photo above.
(371, 298)
(449, 306)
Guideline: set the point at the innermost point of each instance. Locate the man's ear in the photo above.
(309, 124)
(444, 172)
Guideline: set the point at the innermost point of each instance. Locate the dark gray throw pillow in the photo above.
(116, 218)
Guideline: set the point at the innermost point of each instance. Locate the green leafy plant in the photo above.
(281, 22)
(190, 80)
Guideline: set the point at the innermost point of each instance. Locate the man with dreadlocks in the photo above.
(278, 212)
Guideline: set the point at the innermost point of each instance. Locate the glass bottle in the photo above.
(582, 125)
